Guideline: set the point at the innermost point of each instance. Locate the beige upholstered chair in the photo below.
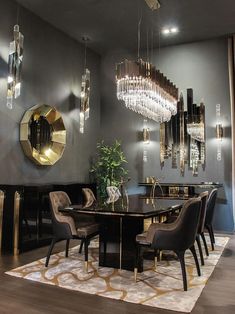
(89, 197)
(64, 226)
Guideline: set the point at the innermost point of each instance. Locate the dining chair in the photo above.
(210, 215)
(64, 227)
(177, 236)
(201, 226)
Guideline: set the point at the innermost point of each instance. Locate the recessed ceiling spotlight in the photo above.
(171, 30)
(174, 30)
(166, 31)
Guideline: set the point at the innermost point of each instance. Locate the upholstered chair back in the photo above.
(211, 206)
(180, 235)
(63, 225)
(204, 198)
(89, 197)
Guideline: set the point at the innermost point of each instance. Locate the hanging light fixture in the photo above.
(146, 90)
(85, 92)
(196, 123)
(14, 67)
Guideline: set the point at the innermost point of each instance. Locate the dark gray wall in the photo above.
(201, 66)
(52, 69)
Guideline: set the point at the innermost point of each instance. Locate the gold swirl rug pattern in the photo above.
(161, 288)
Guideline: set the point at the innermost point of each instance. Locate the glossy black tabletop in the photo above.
(138, 206)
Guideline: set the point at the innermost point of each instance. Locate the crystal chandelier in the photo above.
(146, 90)
(15, 66)
(196, 131)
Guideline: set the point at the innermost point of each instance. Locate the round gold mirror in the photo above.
(43, 135)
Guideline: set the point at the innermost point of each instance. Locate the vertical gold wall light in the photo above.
(146, 139)
(219, 132)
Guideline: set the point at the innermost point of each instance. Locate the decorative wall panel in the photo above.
(183, 137)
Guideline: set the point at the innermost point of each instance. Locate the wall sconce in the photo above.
(146, 136)
(219, 131)
(146, 139)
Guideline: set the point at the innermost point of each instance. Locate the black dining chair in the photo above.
(177, 236)
(201, 226)
(210, 215)
(64, 227)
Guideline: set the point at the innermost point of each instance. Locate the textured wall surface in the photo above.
(202, 66)
(52, 68)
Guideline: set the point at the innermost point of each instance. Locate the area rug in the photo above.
(161, 288)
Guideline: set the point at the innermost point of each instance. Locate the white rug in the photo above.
(161, 289)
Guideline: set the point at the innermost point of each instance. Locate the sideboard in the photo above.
(26, 219)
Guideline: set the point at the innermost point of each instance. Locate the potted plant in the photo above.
(108, 169)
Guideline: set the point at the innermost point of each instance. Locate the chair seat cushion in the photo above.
(84, 230)
(141, 239)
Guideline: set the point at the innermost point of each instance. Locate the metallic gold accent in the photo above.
(219, 131)
(186, 191)
(153, 4)
(43, 154)
(162, 219)
(16, 222)
(135, 273)
(155, 262)
(120, 245)
(147, 223)
(173, 191)
(146, 135)
(2, 196)
(184, 136)
(86, 266)
(147, 180)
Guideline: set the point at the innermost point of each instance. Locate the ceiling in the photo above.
(112, 24)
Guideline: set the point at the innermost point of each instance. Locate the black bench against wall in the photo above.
(26, 214)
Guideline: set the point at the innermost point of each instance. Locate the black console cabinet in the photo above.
(26, 214)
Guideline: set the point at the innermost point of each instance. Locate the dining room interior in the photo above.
(117, 156)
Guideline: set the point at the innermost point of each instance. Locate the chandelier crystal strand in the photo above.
(145, 90)
(196, 130)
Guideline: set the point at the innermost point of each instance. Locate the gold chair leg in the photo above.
(86, 266)
(159, 257)
(155, 262)
(135, 273)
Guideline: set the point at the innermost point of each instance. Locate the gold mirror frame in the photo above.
(57, 141)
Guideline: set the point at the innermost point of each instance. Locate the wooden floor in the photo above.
(27, 297)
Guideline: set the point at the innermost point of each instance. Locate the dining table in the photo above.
(120, 222)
